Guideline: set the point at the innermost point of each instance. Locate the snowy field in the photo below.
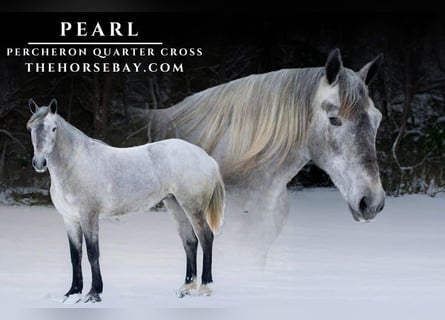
(323, 265)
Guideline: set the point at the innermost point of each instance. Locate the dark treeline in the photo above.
(409, 90)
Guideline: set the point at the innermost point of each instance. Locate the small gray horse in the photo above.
(262, 129)
(90, 179)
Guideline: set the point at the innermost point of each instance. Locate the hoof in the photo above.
(92, 298)
(205, 290)
(186, 289)
(72, 298)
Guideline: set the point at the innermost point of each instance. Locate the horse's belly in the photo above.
(122, 210)
(72, 207)
(140, 202)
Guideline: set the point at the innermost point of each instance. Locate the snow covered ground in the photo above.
(322, 264)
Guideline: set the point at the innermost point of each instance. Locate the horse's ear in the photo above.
(32, 105)
(53, 106)
(369, 71)
(333, 65)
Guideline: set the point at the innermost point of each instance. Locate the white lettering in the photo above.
(130, 30)
(115, 28)
(82, 29)
(65, 26)
(98, 29)
(136, 66)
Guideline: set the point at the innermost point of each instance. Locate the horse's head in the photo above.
(343, 132)
(43, 128)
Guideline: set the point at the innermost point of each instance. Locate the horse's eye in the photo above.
(335, 121)
(54, 129)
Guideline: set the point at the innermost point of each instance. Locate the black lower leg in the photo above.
(207, 244)
(93, 258)
(75, 243)
(190, 247)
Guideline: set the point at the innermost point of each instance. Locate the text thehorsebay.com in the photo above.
(97, 55)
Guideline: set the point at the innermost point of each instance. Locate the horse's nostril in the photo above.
(44, 163)
(33, 162)
(381, 206)
(363, 205)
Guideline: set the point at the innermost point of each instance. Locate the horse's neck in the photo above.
(70, 145)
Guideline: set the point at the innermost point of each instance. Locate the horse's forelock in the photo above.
(353, 93)
(40, 114)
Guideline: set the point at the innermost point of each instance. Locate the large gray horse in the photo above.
(90, 179)
(262, 129)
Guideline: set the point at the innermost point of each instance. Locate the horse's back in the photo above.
(181, 155)
(186, 167)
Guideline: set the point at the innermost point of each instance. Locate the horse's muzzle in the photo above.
(40, 164)
(366, 209)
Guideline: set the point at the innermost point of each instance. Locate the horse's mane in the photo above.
(42, 113)
(265, 116)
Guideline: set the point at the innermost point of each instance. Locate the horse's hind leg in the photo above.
(190, 243)
(74, 232)
(205, 236)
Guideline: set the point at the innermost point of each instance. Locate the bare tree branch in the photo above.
(3, 157)
(409, 93)
(70, 100)
(13, 138)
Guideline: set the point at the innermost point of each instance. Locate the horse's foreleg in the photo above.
(281, 212)
(274, 210)
(90, 228)
(190, 243)
(74, 232)
(254, 218)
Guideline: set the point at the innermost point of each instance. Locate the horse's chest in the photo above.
(66, 203)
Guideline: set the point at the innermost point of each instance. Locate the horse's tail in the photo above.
(215, 209)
